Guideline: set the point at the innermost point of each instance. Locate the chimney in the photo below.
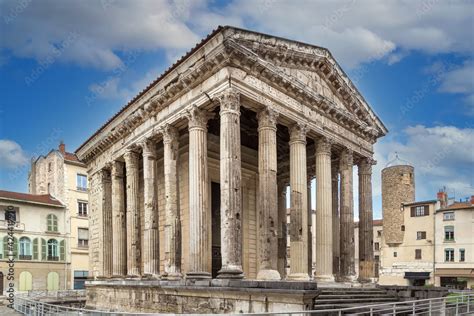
(472, 199)
(62, 148)
(443, 198)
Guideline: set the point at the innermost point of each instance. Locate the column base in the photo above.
(230, 273)
(118, 276)
(151, 276)
(298, 277)
(267, 274)
(198, 275)
(132, 276)
(325, 278)
(173, 276)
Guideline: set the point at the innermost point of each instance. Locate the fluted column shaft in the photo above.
(133, 214)
(347, 216)
(199, 213)
(311, 247)
(324, 237)
(106, 222)
(172, 217)
(119, 228)
(299, 204)
(268, 195)
(282, 229)
(230, 186)
(151, 258)
(366, 252)
(335, 217)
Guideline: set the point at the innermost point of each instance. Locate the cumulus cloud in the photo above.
(442, 156)
(11, 154)
(460, 81)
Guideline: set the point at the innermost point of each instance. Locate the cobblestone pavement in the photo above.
(6, 311)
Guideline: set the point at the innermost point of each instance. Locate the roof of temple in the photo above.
(30, 198)
(243, 35)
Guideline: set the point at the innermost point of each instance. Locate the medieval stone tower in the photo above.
(398, 186)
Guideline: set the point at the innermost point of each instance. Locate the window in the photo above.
(25, 248)
(417, 253)
(10, 215)
(53, 250)
(394, 254)
(420, 235)
(448, 233)
(403, 228)
(448, 216)
(82, 237)
(52, 223)
(376, 246)
(462, 255)
(49, 167)
(81, 208)
(49, 188)
(449, 255)
(420, 210)
(81, 182)
(379, 233)
(79, 279)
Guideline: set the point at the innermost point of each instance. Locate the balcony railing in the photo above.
(52, 258)
(24, 257)
(17, 226)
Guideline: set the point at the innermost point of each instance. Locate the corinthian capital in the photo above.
(298, 132)
(170, 133)
(198, 118)
(229, 100)
(131, 158)
(267, 118)
(347, 158)
(323, 146)
(149, 147)
(365, 165)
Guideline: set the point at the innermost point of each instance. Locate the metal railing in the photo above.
(460, 304)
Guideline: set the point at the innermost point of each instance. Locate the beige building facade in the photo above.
(190, 178)
(36, 243)
(63, 176)
(454, 238)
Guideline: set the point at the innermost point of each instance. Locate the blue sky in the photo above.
(66, 67)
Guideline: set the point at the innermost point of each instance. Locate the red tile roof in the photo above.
(31, 198)
(71, 157)
(458, 205)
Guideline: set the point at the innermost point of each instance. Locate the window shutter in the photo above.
(83, 234)
(5, 247)
(427, 210)
(61, 250)
(412, 211)
(43, 249)
(35, 249)
(15, 248)
(50, 228)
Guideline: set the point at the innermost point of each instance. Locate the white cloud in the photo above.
(11, 154)
(442, 156)
(460, 81)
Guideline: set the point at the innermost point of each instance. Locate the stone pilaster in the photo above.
(199, 213)
(231, 193)
(133, 214)
(151, 257)
(107, 237)
(335, 217)
(366, 252)
(119, 227)
(324, 242)
(268, 195)
(311, 247)
(299, 204)
(172, 217)
(347, 217)
(282, 229)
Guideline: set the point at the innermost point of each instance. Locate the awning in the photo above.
(455, 272)
(417, 275)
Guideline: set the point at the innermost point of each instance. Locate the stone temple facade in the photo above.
(188, 181)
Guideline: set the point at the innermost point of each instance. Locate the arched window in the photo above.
(25, 248)
(52, 223)
(53, 250)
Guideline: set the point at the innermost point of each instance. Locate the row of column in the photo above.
(126, 247)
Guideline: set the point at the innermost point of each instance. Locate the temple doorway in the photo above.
(216, 228)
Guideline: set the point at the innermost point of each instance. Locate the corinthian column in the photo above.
(282, 231)
(119, 230)
(324, 210)
(299, 204)
(335, 218)
(366, 252)
(151, 260)
(268, 195)
(133, 214)
(106, 222)
(231, 194)
(172, 219)
(347, 217)
(199, 217)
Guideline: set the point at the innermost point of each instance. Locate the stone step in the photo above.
(354, 295)
(351, 305)
(352, 292)
(368, 301)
